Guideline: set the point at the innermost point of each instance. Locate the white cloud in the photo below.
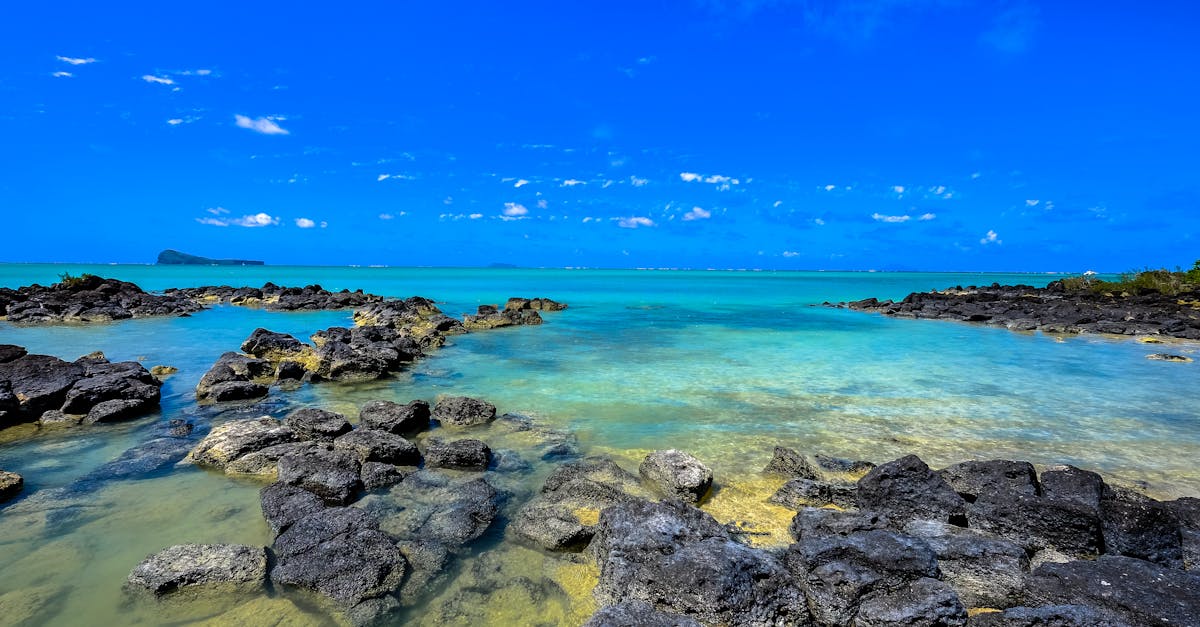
(830, 188)
(386, 216)
(383, 177)
(1032, 203)
(777, 204)
(587, 219)
(790, 253)
(697, 213)
(689, 177)
(212, 221)
(159, 80)
(990, 238)
(398, 177)
(521, 183)
(512, 209)
(175, 121)
(475, 216)
(925, 217)
(899, 189)
(542, 203)
(573, 182)
(62, 75)
(256, 220)
(975, 175)
(637, 182)
(76, 60)
(216, 211)
(265, 125)
(879, 217)
(305, 223)
(634, 222)
(818, 222)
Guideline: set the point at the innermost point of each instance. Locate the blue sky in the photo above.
(884, 134)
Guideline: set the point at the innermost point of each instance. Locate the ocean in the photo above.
(722, 364)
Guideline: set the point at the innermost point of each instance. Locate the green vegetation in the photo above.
(1160, 280)
(70, 282)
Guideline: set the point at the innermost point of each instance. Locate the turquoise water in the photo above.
(722, 364)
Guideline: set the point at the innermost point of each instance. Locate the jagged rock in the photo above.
(564, 515)
(284, 504)
(1037, 523)
(464, 454)
(972, 478)
(1138, 526)
(9, 405)
(799, 493)
(9, 352)
(265, 462)
(812, 522)
(985, 572)
(317, 424)
(837, 573)
(463, 411)
(677, 475)
(274, 347)
(290, 372)
(1047, 616)
(430, 506)
(789, 463)
(637, 614)
(540, 304)
(906, 489)
(370, 445)
(1130, 590)
(837, 465)
(403, 420)
(680, 560)
(1070, 484)
(377, 475)
(87, 299)
(162, 372)
(332, 475)
(55, 419)
(40, 382)
(232, 440)
(921, 602)
(340, 554)
(116, 410)
(10, 485)
(235, 377)
(220, 568)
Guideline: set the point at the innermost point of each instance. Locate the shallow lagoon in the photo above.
(722, 364)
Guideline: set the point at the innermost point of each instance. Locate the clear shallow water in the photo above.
(722, 364)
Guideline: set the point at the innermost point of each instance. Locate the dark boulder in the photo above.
(40, 382)
(119, 381)
(117, 410)
(789, 463)
(1139, 526)
(265, 462)
(274, 347)
(838, 572)
(234, 439)
(9, 405)
(403, 420)
(1130, 590)
(1071, 484)
(985, 571)
(797, 494)
(677, 475)
(921, 602)
(906, 489)
(340, 554)
(284, 504)
(972, 478)
(317, 424)
(1037, 523)
(428, 562)
(464, 454)
(222, 568)
(379, 446)
(332, 475)
(235, 377)
(1047, 616)
(680, 560)
(563, 517)
(812, 522)
(377, 475)
(463, 411)
(9, 352)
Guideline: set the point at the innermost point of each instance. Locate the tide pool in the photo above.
(724, 365)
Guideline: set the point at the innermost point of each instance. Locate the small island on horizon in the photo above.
(171, 257)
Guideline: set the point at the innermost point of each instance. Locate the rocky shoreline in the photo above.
(368, 521)
(1052, 309)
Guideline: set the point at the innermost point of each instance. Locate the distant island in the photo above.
(175, 258)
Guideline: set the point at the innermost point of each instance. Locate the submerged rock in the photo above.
(430, 506)
(800, 493)
(563, 517)
(222, 568)
(637, 614)
(463, 454)
(677, 475)
(284, 504)
(317, 424)
(92, 387)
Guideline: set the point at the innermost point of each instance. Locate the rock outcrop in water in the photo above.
(90, 389)
(10, 485)
(1053, 309)
(276, 298)
(88, 298)
(517, 311)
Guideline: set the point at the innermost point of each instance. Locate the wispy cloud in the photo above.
(305, 223)
(520, 183)
(512, 209)
(218, 211)
(62, 75)
(697, 213)
(252, 221)
(158, 80)
(386, 216)
(398, 177)
(790, 253)
(573, 183)
(76, 60)
(634, 222)
(925, 217)
(879, 217)
(475, 216)
(991, 238)
(689, 177)
(638, 182)
(265, 125)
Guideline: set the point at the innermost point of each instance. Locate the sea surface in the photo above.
(722, 364)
